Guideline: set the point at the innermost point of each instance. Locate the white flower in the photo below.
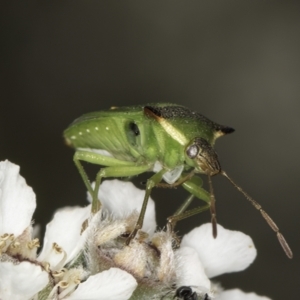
(230, 251)
(114, 284)
(145, 257)
(88, 256)
(190, 271)
(21, 281)
(201, 256)
(18, 279)
(237, 294)
(63, 239)
(17, 200)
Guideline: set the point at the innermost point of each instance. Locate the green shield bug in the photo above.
(168, 139)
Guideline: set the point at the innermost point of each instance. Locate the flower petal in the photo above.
(121, 198)
(113, 284)
(21, 281)
(231, 251)
(190, 271)
(236, 294)
(65, 230)
(17, 200)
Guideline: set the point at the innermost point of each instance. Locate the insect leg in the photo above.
(118, 171)
(77, 158)
(193, 187)
(180, 181)
(151, 183)
(98, 159)
(197, 181)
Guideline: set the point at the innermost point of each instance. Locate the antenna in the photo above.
(212, 208)
(268, 219)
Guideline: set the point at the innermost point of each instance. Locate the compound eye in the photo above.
(192, 151)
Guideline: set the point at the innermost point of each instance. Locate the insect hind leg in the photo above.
(95, 203)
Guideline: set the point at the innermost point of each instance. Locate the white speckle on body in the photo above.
(96, 128)
(73, 137)
(87, 130)
(107, 128)
(80, 133)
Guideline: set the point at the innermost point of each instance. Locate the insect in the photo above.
(186, 293)
(168, 139)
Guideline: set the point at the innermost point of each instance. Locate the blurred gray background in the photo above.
(236, 62)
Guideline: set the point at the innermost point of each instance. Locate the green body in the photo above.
(110, 130)
(168, 139)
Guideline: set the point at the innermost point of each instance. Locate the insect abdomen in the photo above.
(104, 133)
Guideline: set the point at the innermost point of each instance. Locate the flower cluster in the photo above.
(86, 256)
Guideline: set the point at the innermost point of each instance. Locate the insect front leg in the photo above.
(112, 168)
(193, 186)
